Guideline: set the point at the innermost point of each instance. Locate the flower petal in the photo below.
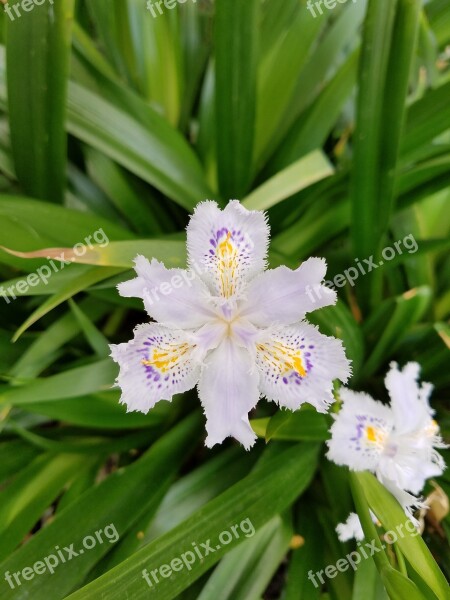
(298, 364)
(359, 431)
(408, 502)
(174, 297)
(409, 400)
(409, 461)
(351, 529)
(228, 390)
(156, 364)
(282, 296)
(229, 246)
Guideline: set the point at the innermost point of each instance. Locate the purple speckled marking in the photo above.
(363, 421)
(293, 377)
(152, 374)
(236, 236)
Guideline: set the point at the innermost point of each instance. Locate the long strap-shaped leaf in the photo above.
(265, 493)
(236, 48)
(38, 44)
(388, 45)
(119, 500)
(368, 491)
(149, 147)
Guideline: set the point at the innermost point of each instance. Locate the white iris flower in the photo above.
(397, 442)
(229, 326)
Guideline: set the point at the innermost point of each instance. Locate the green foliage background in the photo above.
(339, 126)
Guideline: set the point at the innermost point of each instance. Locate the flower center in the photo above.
(227, 254)
(375, 435)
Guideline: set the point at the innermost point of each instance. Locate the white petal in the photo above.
(207, 338)
(228, 246)
(136, 288)
(156, 364)
(174, 297)
(402, 468)
(282, 296)
(359, 431)
(408, 502)
(298, 364)
(409, 401)
(408, 464)
(228, 390)
(351, 529)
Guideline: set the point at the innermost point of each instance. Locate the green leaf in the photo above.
(368, 584)
(32, 224)
(303, 173)
(33, 490)
(439, 16)
(339, 322)
(120, 254)
(307, 559)
(186, 496)
(302, 425)
(374, 61)
(96, 339)
(152, 150)
(255, 499)
(37, 52)
(123, 193)
(397, 584)
(41, 352)
(341, 35)
(101, 411)
(280, 72)
(312, 128)
(247, 570)
(306, 235)
(408, 309)
(77, 284)
(119, 500)
(14, 456)
(236, 43)
(389, 40)
(69, 384)
(392, 517)
(426, 119)
(404, 42)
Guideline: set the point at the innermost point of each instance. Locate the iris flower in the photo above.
(397, 442)
(229, 326)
